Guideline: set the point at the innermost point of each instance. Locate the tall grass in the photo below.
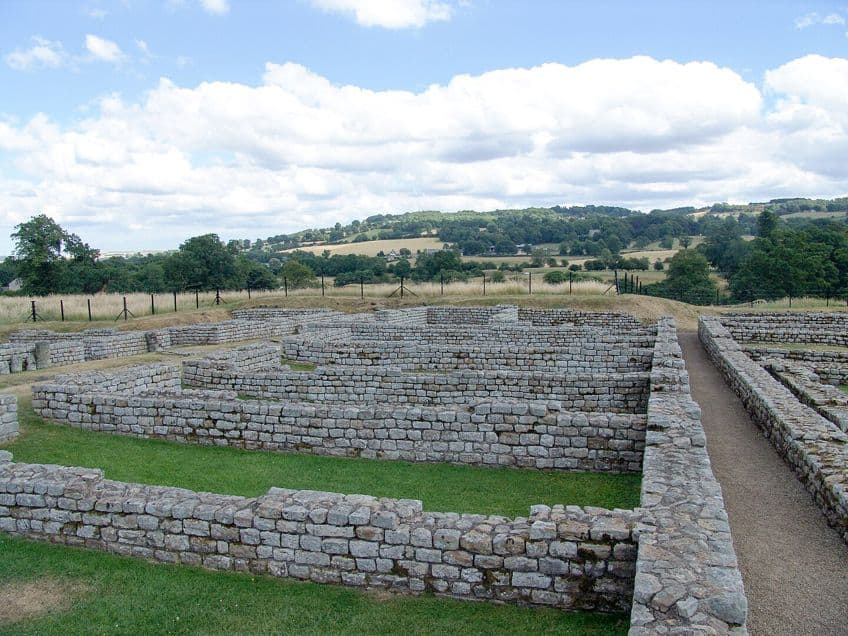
(17, 309)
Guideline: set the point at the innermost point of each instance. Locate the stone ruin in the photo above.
(491, 386)
(790, 392)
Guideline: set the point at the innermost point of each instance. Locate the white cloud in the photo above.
(102, 49)
(218, 7)
(389, 14)
(297, 150)
(813, 19)
(42, 54)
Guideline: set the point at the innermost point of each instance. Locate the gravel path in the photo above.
(794, 566)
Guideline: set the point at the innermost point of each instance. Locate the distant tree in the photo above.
(202, 262)
(575, 267)
(38, 248)
(766, 223)
(555, 277)
(659, 266)
(405, 252)
(685, 242)
(688, 279)
(254, 275)
(296, 274)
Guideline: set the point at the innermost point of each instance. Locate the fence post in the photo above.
(529, 283)
(827, 299)
(286, 286)
(125, 312)
(570, 281)
(615, 276)
(248, 292)
(62, 309)
(197, 299)
(442, 281)
(790, 299)
(175, 302)
(322, 283)
(484, 284)
(362, 287)
(401, 286)
(89, 308)
(34, 314)
(152, 306)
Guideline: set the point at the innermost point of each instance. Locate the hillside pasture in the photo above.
(372, 248)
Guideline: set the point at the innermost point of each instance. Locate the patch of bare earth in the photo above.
(25, 600)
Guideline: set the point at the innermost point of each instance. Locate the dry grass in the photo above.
(17, 309)
(26, 600)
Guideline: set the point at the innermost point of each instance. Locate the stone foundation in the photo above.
(812, 446)
(564, 557)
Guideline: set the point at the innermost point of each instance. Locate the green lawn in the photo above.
(441, 487)
(107, 594)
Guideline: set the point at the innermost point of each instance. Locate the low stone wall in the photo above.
(564, 557)
(278, 313)
(415, 316)
(98, 344)
(556, 317)
(612, 393)
(127, 380)
(806, 327)
(578, 357)
(506, 334)
(828, 401)
(815, 449)
(830, 366)
(258, 357)
(525, 435)
(463, 315)
(687, 578)
(16, 357)
(8, 417)
(226, 331)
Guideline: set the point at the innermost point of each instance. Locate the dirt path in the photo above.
(794, 566)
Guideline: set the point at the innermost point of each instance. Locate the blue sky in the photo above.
(121, 119)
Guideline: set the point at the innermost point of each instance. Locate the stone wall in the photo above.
(16, 357)
(564, 557)
(578, 357)
(278, 313)
(556, 317)
(496, 433)
(8, 417)
(830, 366)
(612, 393)
(813, 447)
(807, 327)
(687, 578)
(415, 316)
(466, 315)
(506, 334)
(827, 400)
